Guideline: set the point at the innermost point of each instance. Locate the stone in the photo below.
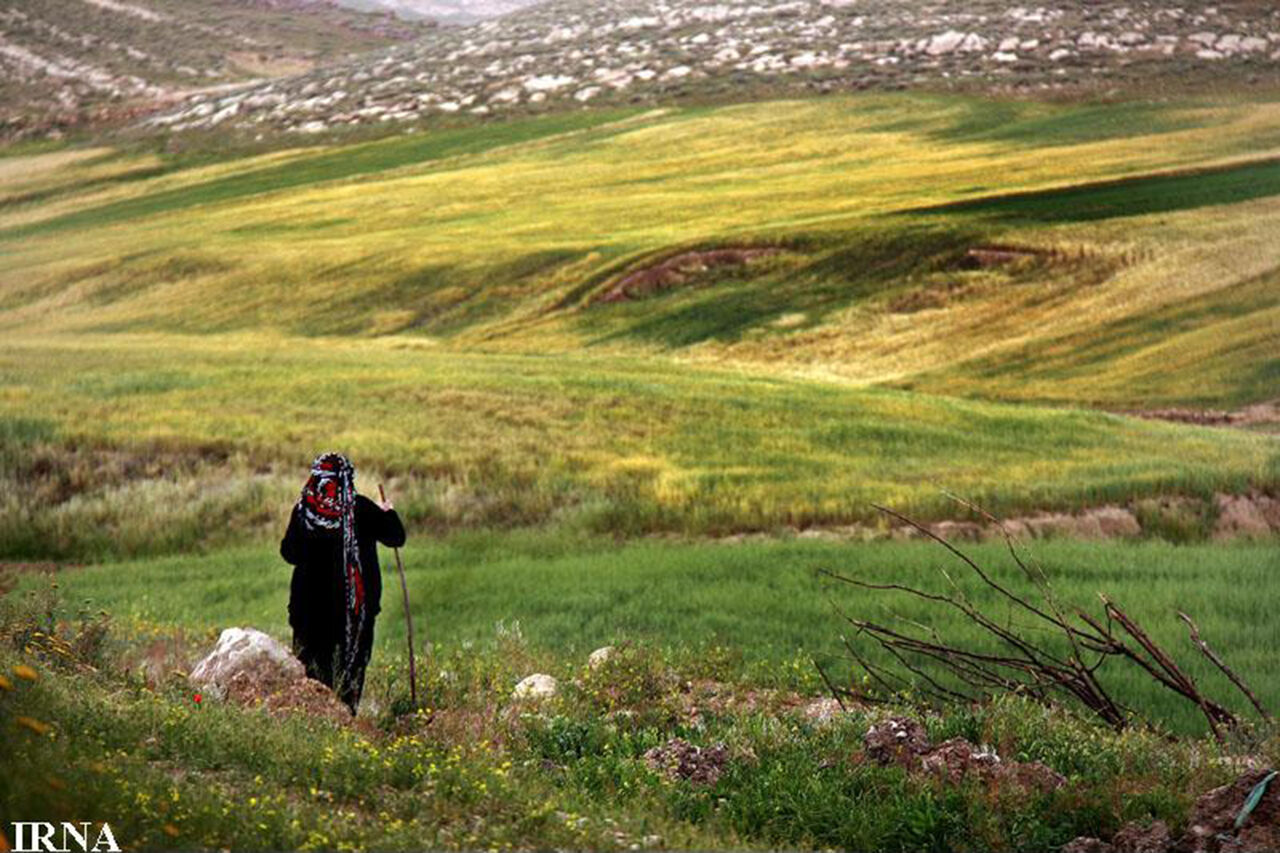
(256, 657)
(944, 43)
(599, 657)
(536, 686)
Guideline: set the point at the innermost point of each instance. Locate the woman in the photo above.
(337, 587)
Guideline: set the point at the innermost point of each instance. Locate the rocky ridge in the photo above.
(568, 52)
(71, 63)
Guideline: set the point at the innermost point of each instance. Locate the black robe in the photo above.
(316, 601)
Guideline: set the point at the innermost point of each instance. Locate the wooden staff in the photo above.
(408, 618)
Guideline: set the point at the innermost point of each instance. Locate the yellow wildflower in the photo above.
(25, 672)
(33, 724)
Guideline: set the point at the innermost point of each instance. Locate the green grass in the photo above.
(1132, 196)
(313, 167)
(569, 594)
(95, 728)
(149, 436)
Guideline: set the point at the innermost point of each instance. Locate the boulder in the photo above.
(250, 654)
(253, 669)
(536, 686)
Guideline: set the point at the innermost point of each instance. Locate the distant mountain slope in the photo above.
(570, 52)
(67, 63)
(445, 11)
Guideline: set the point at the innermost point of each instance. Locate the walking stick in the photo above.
(408, 618)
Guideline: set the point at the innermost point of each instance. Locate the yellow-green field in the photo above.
(179, 336)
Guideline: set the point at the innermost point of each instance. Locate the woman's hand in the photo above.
(387, 506)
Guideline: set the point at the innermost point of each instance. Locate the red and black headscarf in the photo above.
(328, 505)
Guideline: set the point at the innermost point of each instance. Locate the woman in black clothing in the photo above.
(336, 590)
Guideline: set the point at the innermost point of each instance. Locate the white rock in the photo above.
(1229, 43)
(599, 656)
(944, 42)
(246, 650)
(547, 82)
(1060, 54)
(587, 93)
(1001, 56)
(536, 686)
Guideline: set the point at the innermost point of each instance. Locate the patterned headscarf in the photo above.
(328, 503)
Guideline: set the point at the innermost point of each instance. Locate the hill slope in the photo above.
(572, 52)
(70, 63)
(646, 321)
(821, 238)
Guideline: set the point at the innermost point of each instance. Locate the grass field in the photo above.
(764, 604)
(948, 295)
(714, 649)
(431, 305)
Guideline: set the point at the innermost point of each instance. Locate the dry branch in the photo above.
(951, 672)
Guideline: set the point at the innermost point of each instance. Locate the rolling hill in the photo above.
(703, 319)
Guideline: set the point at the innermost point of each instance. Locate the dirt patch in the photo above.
(985, 257)
(678, 270)
(1264, 415)
(1253, 515)
(904, 742)
(680, 760)
(1243, 817)
(299, 695)
(1220, 820)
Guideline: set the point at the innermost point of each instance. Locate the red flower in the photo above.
(197, 697)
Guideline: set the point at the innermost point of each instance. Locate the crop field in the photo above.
(622, 371)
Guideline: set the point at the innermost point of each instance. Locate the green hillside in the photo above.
(640, 321)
